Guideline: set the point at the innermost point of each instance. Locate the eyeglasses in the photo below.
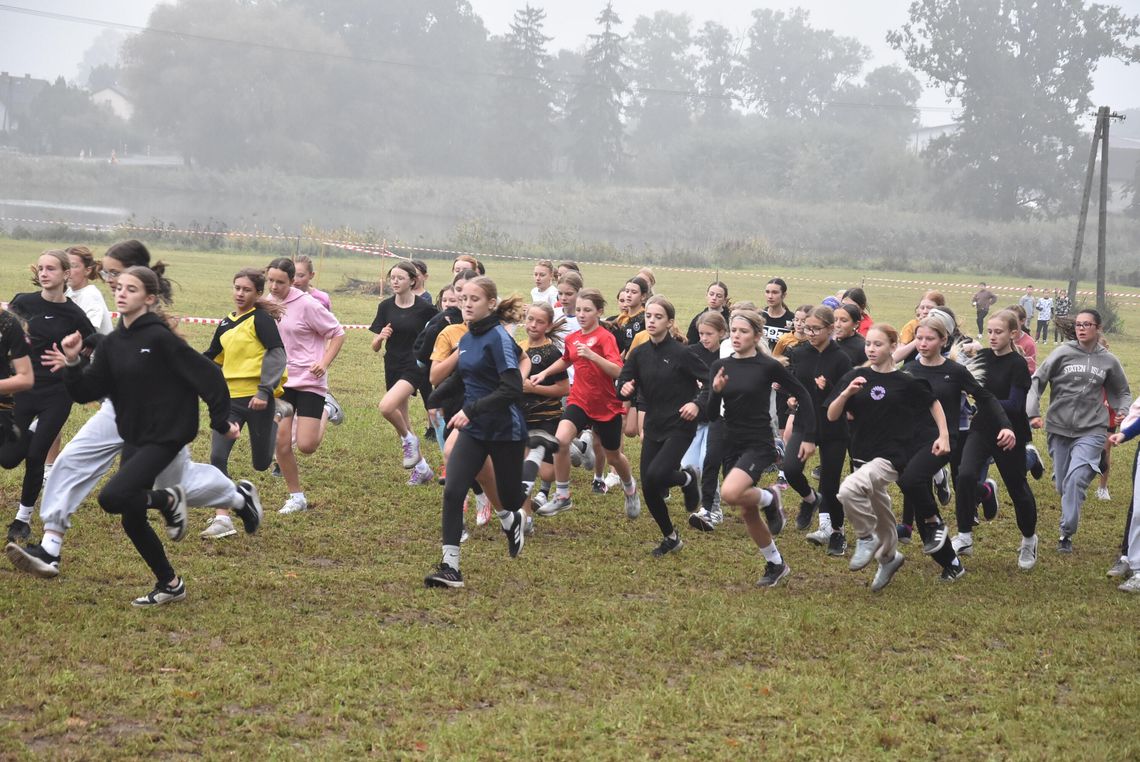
(107, 275)
(1084, 325)
(812, 329)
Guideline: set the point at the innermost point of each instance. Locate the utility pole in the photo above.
(1075, 271)
(1104, 115)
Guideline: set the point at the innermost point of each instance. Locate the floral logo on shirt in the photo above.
(877, 393)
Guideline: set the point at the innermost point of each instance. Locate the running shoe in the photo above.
(865, 548)
(963, 545)
(295, 504)
(1119, 569)
(807, 510)
(1033, 461)
(667, 546)
(282, 409)
(276, 470)
(773, 573)
(251, 512)
(516, 534)
(599, 486)
(990, 500)
(19, 531)
(952, 573)
(692, 490)
(1065, 545)
(537, 438)
(701, 521)
(33, 560)
(716, 516)
(815, 473)
(1027, 553)
(444, 576)
(1131, 585)
(887, 571)
(528, 528)
(781, 481)
(333, 408)
(1102, 493)
(820, 536)
(161, 595)
(411, 448)
(219, 527)
(774, 512)
(586, 445)
(904, 533)
(442, 478)
(942, 488)
(175, 514)
(632, 504)
(936, 538)
(555, 506)
(837, 545)
(422, 474)
(482, 509)
(538, 500)
(612, 480)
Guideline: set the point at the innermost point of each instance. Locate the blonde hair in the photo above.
(509, 310)
(756, 321)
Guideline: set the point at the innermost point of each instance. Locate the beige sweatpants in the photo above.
(867, 504)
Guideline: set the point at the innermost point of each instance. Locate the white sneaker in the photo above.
(294, 505)
(886, 572)
(1131, 585)
(963, 546)
(219, 526)
(411, 448)
(632, 504)
(1027, 555)
(482, 510)
(587, 453)
(864, 551)
(612, 480)
(1102, 493)
(820, 536)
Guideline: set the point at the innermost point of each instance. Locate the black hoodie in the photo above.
(154, 379)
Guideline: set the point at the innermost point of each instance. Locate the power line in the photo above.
(414, 66)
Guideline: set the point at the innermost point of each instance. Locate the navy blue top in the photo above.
(484, 357)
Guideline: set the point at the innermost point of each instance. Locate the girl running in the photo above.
(419, 286)
(819, 364)
(711, 331)
(884, 404)
(490, 424)
(907, 350)
(542, 403)
(313, 338)
(1006, 376)
(1076, 423)
(716, 297)
(857, 297)
(303, 280)
(631, 321)
(796, 336)
(846, 333)
(667, 378)
(593, 353)
(743, 383)
(82, 291)
(399, 319)
(248, 348)
(1129, 564)
(144, 353)
(49, 316)
(777, 316)
(544, 289)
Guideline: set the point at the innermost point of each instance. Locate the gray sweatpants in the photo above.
(1076, 462)
(867, 504)
(91, 453)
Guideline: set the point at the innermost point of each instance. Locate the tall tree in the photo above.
(594, 113)
(883, 104)
(1023, 72)
(791, 69)
(718, 75)
(664, 69)
(521, 125)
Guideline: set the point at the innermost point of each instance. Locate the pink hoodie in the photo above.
(305, 328)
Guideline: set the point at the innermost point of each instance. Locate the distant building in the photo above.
(115, 99)
(920, 138)
(16, 96)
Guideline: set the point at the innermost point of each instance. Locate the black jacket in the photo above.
(667, 376)
(425, 341)
(808, 364)
(154, 379)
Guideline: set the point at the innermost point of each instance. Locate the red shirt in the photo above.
(864, 325)
(593, 390)
(1029, 349)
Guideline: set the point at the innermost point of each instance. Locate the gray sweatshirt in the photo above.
(1076, 378)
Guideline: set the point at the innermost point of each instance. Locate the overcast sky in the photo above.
(49, 47)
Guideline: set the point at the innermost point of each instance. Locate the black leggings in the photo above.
(262, 435)
(918, 496)
(831, 456)
(977, 450)
(710, 469)
(52, 405)
(129, 493)
(660, 470)
(467, 457)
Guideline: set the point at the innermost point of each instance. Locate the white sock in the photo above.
(536, 456)
(825, 521)
(451, 556)
(507, 519)
(237, 502)
(630, 487)
(24, 513)
(765, 498)
(410, 436)
(562, 489)
(299, 495)
(423, 465)
(968, 536)
(52, 543)
(771, 553)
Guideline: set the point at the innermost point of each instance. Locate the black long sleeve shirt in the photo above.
(667, 376)
(747, 395)
(808, 364)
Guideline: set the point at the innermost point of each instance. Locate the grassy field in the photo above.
(315, 637)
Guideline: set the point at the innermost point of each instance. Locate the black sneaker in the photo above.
(444, 576)
(668, 545)
(935, 538)
(1036, 467)
(1065, 545)
(161, 595)
(174, 513)
(250, 513)
(774, 512)
(692, 490)
(599, 486)
(516, 535)
(700, 521)
(773, 573)
(815, 473)
(537, 438)
(807, 510)
(952, 573)
(19, 531)
(990, 500)
(33, 560)
(837, 545)
(276, 470)
(942, 488)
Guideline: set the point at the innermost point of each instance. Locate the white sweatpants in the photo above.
(91, 453)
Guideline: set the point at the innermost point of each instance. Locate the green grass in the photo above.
(315, 637)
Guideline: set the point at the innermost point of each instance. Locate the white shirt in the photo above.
(90, 300)
(550, 295)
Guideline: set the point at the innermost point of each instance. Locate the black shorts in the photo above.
(752, 460)
(550, 426)
(416, 376)
(305, 404)
(607, 432)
